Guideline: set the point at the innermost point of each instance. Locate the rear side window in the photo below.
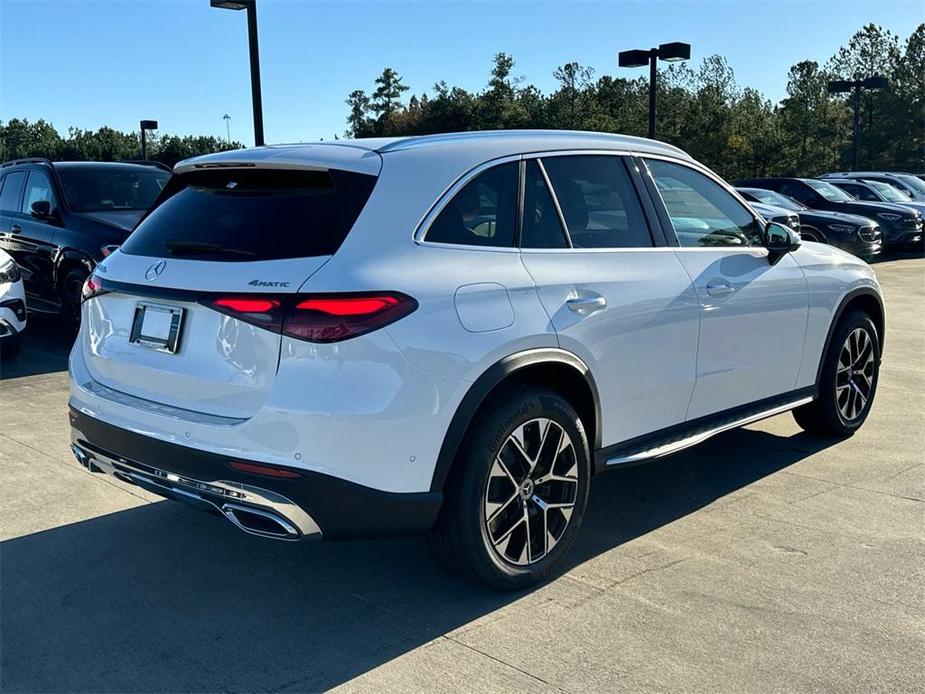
(12, 189)
(598, 202)
(482, 212)
(247, 215)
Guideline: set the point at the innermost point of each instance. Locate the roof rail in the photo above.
(28, 160)
(146, 162)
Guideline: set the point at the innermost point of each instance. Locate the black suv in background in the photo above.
(58, 220)
(900, 225)
(850, 232)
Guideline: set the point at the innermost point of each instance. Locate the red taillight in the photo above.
(92, 287)
(247, 305)
(339, 317)
(319, 317)
(265, 470)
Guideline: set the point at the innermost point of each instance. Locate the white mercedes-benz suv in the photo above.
(453, 333)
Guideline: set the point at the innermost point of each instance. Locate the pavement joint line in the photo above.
(505, 663)
(855, 487)
(73, 466)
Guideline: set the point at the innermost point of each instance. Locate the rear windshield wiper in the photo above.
(181, 248)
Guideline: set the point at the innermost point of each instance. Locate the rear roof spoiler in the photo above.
(311, 157)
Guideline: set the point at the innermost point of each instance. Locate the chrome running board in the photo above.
(700, 437)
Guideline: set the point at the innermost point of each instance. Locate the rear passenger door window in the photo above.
(482, 212)
(702, 212)
(598, 202)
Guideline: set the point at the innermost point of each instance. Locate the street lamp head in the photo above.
(230, 4)
(674, 52)
(876, 82)
(840, 86)
(636, 58)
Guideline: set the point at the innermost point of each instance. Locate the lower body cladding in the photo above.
(282, 504)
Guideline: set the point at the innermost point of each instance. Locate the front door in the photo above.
(753, 311)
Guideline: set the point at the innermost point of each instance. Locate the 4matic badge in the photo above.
(262, 283)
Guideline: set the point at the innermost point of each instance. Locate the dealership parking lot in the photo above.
(763, 560)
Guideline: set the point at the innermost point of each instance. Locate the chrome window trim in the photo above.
(423, 226)
(419, 235)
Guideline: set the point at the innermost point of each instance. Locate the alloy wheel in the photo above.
(531, 492)
(854, 374)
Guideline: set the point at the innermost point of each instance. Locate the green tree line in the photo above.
(733, 129)
(20, 139)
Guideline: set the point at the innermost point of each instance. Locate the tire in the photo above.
(70, 290)
(845, 394)
(497, 500)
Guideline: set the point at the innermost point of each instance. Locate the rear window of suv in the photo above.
(247, 215)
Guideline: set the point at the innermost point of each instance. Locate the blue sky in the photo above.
(89, 63)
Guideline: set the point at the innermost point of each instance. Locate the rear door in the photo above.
(617, 296)
(191, 308)
(753, 311)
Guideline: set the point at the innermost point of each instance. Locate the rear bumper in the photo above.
(310, 505)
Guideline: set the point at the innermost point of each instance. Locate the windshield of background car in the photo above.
(769, 197)
(109, 189)
(829, 192)
(912, 182)
(888, 192)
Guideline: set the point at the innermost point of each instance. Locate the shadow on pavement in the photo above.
(45, 348)
(161, 598)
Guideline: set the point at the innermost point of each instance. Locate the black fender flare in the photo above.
(492, 377)
(839, 312)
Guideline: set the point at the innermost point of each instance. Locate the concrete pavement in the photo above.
(764, 560)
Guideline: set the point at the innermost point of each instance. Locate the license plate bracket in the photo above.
(156, 326)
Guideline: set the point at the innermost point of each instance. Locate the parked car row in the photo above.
(858, 212)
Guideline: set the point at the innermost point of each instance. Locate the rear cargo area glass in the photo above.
(248, 215)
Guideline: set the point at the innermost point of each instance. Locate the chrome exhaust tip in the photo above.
(84, 459)
(259, 522)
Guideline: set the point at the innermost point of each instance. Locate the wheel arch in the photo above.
(862, 298)
(815, 231)
(67, 261)
(550, 367)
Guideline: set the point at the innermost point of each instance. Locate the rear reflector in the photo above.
(265, 470)
(317, 317)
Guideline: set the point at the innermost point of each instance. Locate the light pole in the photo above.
(227, 119)
(146, 125)
(669, 52)
(251, 7)
(843, 86)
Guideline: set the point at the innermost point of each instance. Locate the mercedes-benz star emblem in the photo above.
(153, 272)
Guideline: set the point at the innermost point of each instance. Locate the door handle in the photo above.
(586, 305)
(15, 228)
(721, 288)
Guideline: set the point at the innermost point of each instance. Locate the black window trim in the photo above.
(663, 210)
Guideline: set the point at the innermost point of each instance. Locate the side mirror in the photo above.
(780, 240)
(41, 209)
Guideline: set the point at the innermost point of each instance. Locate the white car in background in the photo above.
(12, 307)
(453, 333)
